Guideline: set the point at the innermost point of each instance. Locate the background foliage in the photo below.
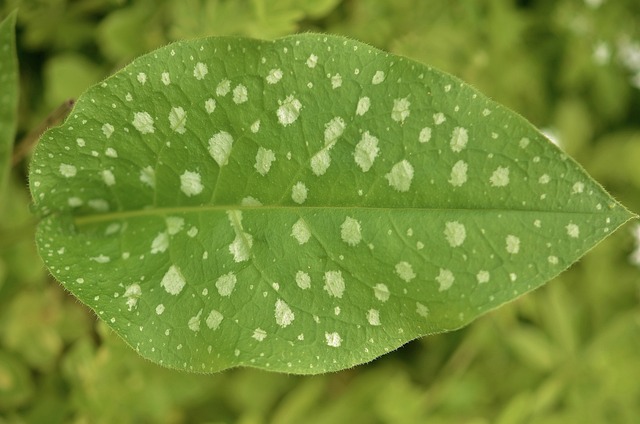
(566, 353)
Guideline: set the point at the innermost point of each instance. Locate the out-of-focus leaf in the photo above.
(67, 76)
(142, 391)
(533, 347)
(130, 31)
(265, 19)
(8, 97)
(30, 326)
(16, 385)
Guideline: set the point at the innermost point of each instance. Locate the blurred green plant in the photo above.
(580, 82)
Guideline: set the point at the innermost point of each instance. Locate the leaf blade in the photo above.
(260, 212)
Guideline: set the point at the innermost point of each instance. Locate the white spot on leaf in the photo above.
(178, 119)
(200, 71)
(108, 177)
(303, 280)
(381, 292)
(259, 334)
(400, 176)
(333, 339)
(240, 94)
(405, 271)
(439, 118)
(512, 244)
(75, 202)
(333, 130)
(101, 259)
(283, 313)
(174, 224)
(422, 310)
(400, 110)
(300, 231)
(445, 278)
(111, 229)
(378, 78)
(573, 230)
(160, 243)
(250, 201)
(214, 319)
(194, 322)
(107, 130)
(500, 177)
(264, 159)
(373, 317)
(274, 76)
(210, 106)
(363, 106)
(143, 122)
(67, 170)
(577, 188)
(241, 246)
(223, 88)
(336, 81)
(458, 174)
(132, 293)
(483, 276)
(459, 139)
(226, 283)
(299, 193)
(190, 183)
(425, 135)
(312, 61)
(220, 147)
(148, 176)
(366, 151)
(350, 231)
(289, 111)
(99, 205)
(334, 283)
(455, 233)
(165, 78)
(320, 162)
(173, 281)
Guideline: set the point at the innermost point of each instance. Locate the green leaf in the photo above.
(302, 205)
(17, 386)
(8, 96)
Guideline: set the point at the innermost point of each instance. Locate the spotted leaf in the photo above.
(302, 205)
(8, 95)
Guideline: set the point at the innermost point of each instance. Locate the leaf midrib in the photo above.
(165, 211)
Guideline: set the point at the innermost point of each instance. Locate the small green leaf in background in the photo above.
(8, 96)
(302, 205)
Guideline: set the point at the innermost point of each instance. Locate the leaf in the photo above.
(263, 19)
(302, 205)
(8, 96)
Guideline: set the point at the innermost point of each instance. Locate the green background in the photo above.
(566, 353)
